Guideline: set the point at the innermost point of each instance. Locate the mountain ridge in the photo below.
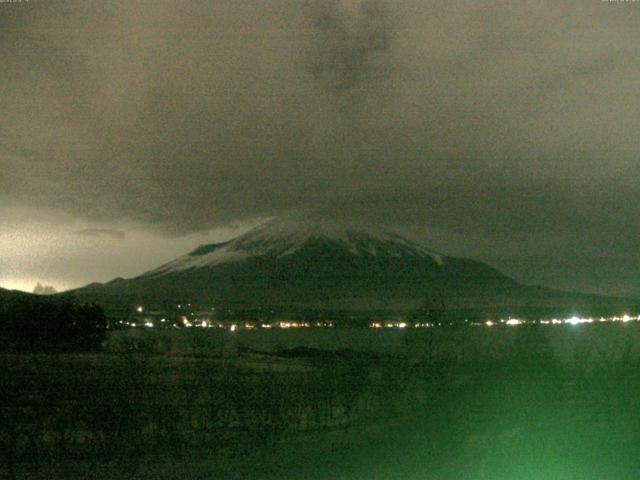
(281, 238)
(304, 264)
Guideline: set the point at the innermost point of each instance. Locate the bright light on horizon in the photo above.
(28, 284)
(573, 320)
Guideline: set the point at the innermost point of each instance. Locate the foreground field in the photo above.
(479, 404)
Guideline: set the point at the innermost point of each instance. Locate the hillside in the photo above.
(303, 265)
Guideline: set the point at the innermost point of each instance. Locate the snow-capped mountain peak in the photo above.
(280, 238)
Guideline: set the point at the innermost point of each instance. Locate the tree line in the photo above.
(33, 323)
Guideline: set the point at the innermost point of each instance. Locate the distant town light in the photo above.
(140, 309)
(489, 323)
(234, 327)
(578, 320)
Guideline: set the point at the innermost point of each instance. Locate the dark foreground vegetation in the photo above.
(302, 412)
(34, 323)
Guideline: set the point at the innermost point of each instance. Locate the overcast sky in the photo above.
(506, 131)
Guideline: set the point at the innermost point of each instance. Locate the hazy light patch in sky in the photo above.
(54, 249)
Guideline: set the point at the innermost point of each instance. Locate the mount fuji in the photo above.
(286, 264)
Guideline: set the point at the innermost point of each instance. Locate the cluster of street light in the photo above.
(574, 320)
(511, 322)
(184, 321)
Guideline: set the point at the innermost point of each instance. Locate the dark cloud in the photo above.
(352, 48)
(502, 122)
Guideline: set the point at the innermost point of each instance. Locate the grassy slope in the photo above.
(525, 411)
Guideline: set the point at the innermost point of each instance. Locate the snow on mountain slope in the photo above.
(280, 238)
(328, 266)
